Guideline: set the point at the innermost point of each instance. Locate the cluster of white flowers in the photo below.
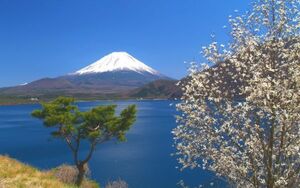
(241, 117)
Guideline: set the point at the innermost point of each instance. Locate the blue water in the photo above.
(144, 161)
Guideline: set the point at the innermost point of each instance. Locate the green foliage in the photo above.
(97, 125)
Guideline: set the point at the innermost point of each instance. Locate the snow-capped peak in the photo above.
(117, 61)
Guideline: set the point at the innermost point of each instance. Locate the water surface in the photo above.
(144, 161)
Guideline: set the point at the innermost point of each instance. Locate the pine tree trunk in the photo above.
(81, 173)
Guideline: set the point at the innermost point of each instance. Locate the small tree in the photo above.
(241, 117)
(96, 126)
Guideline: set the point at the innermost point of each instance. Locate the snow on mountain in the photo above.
(117, 61)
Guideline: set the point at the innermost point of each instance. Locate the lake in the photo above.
(144, 161)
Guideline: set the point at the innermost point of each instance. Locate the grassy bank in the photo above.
(14, 174)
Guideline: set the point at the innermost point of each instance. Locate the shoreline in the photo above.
(10, 103)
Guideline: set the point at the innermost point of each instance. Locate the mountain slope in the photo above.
(158, 89)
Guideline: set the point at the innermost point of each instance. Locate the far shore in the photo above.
(18, 101)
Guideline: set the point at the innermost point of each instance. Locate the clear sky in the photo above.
(49, 38)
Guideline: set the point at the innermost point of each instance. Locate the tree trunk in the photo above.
(81, 173)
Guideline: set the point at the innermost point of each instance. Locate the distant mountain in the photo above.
(118, 75)
(158, 89)
(115, 73)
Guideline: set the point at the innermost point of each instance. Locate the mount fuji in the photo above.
(115, 74)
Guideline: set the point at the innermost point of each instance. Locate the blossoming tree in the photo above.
(241, 117)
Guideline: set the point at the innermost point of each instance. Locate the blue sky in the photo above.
(49, 38)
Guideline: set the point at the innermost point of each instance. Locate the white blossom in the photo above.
(241, 117)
